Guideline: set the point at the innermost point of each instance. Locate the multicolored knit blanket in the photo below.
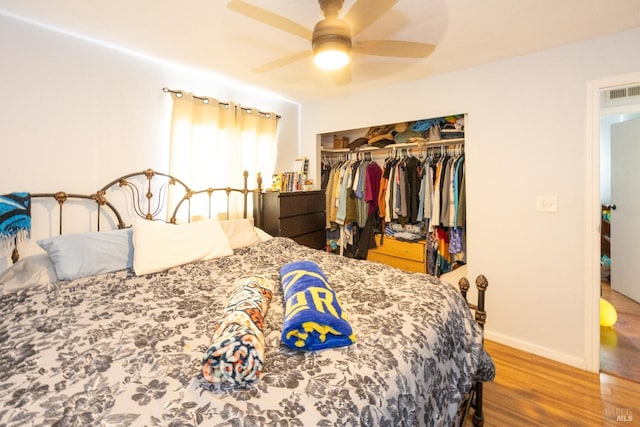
(313, 317)
(15, 220)
(236, 354)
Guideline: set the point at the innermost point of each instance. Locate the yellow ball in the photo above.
(608, 338)
(608, 314)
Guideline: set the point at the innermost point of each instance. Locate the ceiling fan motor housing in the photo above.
(331, 32)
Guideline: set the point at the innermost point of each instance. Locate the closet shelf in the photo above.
(366, 149)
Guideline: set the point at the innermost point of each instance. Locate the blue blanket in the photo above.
(15, 220)
(313, 317)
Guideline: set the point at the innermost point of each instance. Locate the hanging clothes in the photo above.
(399, 195)
(447, 222)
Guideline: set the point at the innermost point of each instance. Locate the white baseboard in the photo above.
(576, 362)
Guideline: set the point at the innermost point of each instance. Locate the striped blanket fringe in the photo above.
(15, 220)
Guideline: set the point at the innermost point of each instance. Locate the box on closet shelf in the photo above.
(340, 141)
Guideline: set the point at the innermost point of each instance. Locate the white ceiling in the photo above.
(205, 34)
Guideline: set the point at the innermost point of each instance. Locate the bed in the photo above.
(126, 347)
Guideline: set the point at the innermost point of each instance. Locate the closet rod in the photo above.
(179, 94)
(367, 149)
(426, 144)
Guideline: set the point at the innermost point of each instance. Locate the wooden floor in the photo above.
(533, 391)
(620, 345)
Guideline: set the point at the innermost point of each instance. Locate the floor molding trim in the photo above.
(547, 353)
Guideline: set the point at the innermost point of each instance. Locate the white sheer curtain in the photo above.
(212, 143)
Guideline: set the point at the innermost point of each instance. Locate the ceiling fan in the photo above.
(331, 39)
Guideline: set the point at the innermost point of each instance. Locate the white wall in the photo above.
(526, 132)
(76, 114)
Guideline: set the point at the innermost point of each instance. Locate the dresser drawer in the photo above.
(294, 204)
(299, 215)
(315, 240)
(408, 250)
(302, 224)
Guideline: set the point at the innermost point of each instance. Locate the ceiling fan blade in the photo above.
(270, 18)
(365, 12)
(395, 48)
(281, 62)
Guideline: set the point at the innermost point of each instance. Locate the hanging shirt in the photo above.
(446, 196)
(391, 189)
(372, 187)
(343, 186)
(401, 202)
(435, 205)
(413, 166)
(328, 192)
(382, 193)
(359, 190)
(459, 172)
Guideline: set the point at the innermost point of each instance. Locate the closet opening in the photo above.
(395, 193)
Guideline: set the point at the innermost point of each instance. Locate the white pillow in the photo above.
(25, 249)
(263, 235)
(240, 232)
(159, 246)
(77, 255)
(31, 271)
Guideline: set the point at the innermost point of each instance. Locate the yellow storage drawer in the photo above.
(401, 263)
(408, 256)
(408, 250)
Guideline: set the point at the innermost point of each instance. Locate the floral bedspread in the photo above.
(122, 350)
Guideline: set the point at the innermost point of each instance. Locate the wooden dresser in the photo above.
(299, 215)
(408, 256)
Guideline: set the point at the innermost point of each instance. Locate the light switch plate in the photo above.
(547, 204)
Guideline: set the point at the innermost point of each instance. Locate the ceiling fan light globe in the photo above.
(331, 59)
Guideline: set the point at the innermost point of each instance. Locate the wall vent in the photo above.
(621, 94)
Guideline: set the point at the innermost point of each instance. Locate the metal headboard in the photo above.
(155, 187)
(227, 190)
(147, 195)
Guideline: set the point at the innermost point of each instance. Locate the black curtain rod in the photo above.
(179, 94)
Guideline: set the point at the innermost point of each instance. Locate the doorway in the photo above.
(607, 349)
(620, 133)
(625, 188)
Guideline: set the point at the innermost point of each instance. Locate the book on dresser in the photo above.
(299, 215)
